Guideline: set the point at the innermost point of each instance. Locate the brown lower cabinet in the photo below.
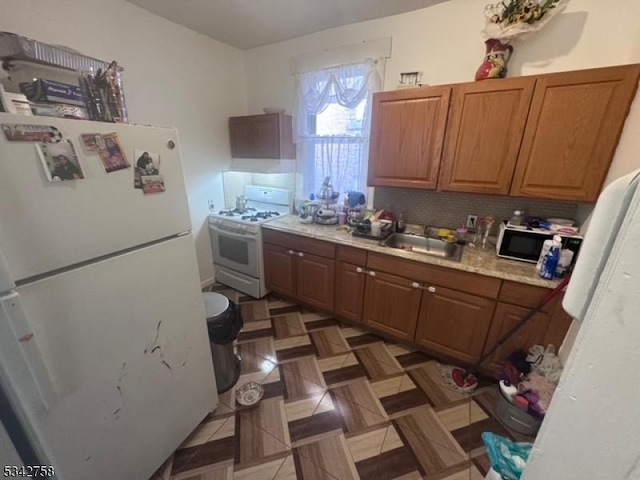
(315, 280)
(280, 270)
(459, 322)
(505, 318)
(301, 275)
(391, 304)
(454, 323)
(349, 294)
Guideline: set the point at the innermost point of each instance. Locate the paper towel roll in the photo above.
(325, 212)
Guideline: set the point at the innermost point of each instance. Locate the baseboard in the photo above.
(208, 282)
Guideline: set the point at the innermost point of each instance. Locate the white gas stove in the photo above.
(236, 238)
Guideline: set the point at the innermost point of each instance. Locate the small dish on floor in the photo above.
(249, 394)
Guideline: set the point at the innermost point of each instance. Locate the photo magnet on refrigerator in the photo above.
(147, 164)
(92, 142)
(60, 161)
(153, 184)
(112, 155)
(31, 133)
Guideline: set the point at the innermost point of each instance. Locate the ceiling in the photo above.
(251, 23)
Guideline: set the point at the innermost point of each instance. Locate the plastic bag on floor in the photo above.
(507, 458)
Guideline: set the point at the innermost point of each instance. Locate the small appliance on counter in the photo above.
(525, 244)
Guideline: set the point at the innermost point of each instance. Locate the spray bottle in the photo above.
(551, 259)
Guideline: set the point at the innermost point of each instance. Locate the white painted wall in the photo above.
(173, 77)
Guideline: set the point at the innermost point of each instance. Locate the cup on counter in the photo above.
(376, 229)
(342, 218)
(461, 235)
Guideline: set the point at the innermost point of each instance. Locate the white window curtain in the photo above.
(340, 153)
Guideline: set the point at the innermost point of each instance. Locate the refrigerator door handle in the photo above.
(6, 282)
(18, 327)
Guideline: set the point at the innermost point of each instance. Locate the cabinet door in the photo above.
(279, 270)
(266, 136)
(241, 137)
(486, 125)
(572, 132)
(505, 318)
(349, 291)
(454, 323)
(315, 278)
(407, 133)
(391, 305)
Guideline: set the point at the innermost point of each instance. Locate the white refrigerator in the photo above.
(104, 353)
(592, 428)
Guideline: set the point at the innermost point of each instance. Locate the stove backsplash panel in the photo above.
(234, 183)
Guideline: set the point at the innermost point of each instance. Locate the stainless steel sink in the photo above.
(424, 245)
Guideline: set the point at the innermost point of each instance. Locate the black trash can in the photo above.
(224, 322)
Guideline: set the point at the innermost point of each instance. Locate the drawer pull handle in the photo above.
(431, 289)
(372, 274)
(300, 254)
(415, 285)
(291, 252)
(359, 270)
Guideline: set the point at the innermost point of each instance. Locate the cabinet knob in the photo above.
(300, 254)
(431, 289)
(372, 274)
(359, 270)
(291, 252)
(415, 285)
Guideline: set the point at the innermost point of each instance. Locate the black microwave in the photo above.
(521, 243)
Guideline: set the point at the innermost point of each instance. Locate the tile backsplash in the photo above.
(450, 209)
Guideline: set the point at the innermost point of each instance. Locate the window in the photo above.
(333, 125)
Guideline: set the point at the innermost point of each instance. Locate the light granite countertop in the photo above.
(474, 260)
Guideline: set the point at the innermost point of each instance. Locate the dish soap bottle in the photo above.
(551, 259)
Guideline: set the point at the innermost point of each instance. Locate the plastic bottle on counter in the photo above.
(551, 259)
(566, 257)
(516, 219)
(546, 246)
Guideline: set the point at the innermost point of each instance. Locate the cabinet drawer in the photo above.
(524, 295)
(299, 243)
(445, 277)
(352, 255)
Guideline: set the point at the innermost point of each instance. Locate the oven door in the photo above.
(522, 245)
(235, 250)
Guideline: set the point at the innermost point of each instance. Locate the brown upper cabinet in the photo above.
(407, 134)
(486, 124)
(262, 136)
(546, 136)
(572, 132)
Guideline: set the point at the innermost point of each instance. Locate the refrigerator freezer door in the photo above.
(606, 222)
(125, 343)
(45, 226)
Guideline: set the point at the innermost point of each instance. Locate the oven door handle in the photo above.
(224, 231)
